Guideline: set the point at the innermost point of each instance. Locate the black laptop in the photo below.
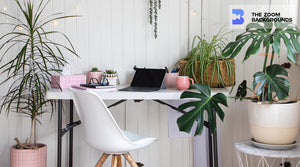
(146, 80)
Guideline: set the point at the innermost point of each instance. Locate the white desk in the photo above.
(163, 94)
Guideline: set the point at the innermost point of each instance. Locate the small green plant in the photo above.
(94, 69)
(154, 5)
(110, 72)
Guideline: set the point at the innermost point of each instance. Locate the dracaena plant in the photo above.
(270, 83)
(31, 57)
(203, 101)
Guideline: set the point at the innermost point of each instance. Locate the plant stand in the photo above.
(249, 155)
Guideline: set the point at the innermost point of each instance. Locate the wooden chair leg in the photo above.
(130, 160)
(102, 160)
(114, 161)
(119, 161)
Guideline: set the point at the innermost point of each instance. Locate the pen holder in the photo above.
(170, 79)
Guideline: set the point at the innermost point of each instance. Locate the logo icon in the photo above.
(238, 19)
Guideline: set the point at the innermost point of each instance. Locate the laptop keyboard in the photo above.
(139, 89)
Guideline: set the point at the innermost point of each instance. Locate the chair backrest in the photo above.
(100, 128)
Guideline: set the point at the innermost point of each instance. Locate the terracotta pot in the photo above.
(98, 75)
(215, 83)
(28, 157)
(274, 123)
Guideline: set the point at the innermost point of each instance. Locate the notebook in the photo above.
(146, 80)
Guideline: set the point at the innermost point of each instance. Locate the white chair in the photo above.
(102, 132)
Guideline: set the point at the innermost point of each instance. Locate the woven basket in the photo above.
(215, 83)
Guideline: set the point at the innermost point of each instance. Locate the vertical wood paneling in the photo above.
(116, 34)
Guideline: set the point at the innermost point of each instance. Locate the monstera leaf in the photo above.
(271, 82)
(206, 102)
(264, 35)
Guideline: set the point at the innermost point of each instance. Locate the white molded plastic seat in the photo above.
(100, 128)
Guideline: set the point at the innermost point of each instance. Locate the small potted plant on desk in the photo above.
(112, 77)
(94, 73)
(272, 120)
(28, 74)
(206, 64)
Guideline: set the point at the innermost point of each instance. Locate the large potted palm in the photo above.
(31, 57)
(272, 120)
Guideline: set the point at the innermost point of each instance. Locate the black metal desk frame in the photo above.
(212, 137)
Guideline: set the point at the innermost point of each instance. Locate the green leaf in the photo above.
(202, 101)
(242, 90)
(272, 80)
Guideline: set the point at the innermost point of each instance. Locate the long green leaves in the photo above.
(204, 101)
(204, 53)
(36, 58)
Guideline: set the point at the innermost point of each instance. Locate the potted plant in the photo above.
(94, 73)
(31, 58)
(272, 120)
(112, 77)
(206, 64)
(203, 102)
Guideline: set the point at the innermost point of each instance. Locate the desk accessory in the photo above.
(94, 73)
(65, 81)
(183, 82)
(112, 77)
(146, 80)
(170, 79)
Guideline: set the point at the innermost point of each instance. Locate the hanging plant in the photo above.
(154, 5)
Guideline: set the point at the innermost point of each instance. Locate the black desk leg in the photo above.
(210, 149)
(71, 136)
(215, 148)
(59, 136)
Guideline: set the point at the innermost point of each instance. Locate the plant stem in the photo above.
(266, 58)
(34, 130)
(271, 62)
(31, 132)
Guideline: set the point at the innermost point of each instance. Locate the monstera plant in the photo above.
(270, 85)
(203, 102)
(28, 58)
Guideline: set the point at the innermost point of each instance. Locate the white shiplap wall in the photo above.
(116, 34)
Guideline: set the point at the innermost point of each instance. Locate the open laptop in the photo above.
(146, 80)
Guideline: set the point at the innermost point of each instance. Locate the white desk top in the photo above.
(162, 94)
(248, 148)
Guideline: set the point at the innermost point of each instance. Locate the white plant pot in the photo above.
(274, 123)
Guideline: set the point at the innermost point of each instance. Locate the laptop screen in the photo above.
(148, 78)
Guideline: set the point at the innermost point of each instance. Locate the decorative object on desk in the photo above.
(112, 77)
(30, 58)
(62, 81)
(183, 82)
(154, 5)
(206, 64)
(170, 79)
(272, 121)
(207, 103)
(94, 73)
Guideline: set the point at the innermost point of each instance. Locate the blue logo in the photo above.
(238, 19)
